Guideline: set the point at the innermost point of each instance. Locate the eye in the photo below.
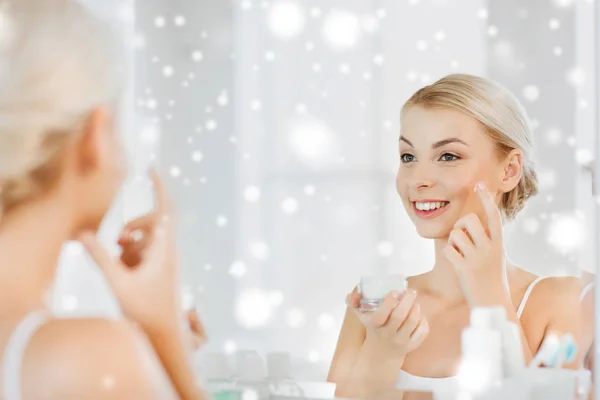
(406, 158)
(449, 157)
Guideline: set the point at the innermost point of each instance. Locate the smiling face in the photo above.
(443, 154)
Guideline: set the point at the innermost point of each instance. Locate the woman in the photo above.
(61, 165)
(466, 165)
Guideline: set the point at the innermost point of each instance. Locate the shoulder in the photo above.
(554, 304)
(68, 357)
(560, 287)
(556, 293)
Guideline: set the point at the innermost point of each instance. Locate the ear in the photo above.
(92, 146)
(512, 171)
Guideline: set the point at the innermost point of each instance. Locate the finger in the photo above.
(98, 253)
(132, 258)
(198, 343)
(459, 239)
(143, 223)
(381, 315)
(353, 299)
(494, 219)
(421, 331)
(133, 252)
(474, 228)
(197, 328)
(402, 310)
(163, 201)
(454, 257)
(410, 323)
(136, 246)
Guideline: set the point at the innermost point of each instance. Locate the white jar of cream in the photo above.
(374, 288)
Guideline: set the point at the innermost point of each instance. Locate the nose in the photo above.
(422, 177)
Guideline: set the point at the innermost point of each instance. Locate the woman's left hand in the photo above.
(133, 242)
(477, 254)
(197, 334)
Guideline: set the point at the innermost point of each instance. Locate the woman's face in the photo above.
(443, 154)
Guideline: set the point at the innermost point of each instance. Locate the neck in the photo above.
(443, 280)
(31, 239)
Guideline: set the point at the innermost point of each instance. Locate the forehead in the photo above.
(427, 125)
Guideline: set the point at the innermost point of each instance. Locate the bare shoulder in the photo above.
(555, 300)
(98, 357)
(561, 287)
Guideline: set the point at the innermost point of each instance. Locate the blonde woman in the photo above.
(465, 167)
(61, 165)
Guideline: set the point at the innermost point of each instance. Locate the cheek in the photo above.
(401, 186)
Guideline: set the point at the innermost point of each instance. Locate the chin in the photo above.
(433, 232)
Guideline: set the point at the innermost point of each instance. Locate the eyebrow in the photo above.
(436, 145)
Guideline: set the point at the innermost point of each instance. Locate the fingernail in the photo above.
(395, 295)
(480, 186)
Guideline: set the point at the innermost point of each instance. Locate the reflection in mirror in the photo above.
(311, 145)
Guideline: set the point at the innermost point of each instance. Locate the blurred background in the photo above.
(276, 124)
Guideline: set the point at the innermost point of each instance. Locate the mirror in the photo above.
(277, 124)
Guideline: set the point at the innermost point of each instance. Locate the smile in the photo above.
(429, 209)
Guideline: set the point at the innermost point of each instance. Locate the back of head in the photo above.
(58, 61)
(499, 113)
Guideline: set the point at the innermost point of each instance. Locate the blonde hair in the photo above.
(502, 117)
(58, 61)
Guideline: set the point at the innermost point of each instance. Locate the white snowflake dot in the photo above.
(238, 269)
(259, 250)
(159, 22)
(197, 56)
(531, 93)
(221, 221)
(175, 171)
(256, 105)
(295, 318)
(197, 156)
(270, 56)
(179, 20)
(422, 45)
(168, 71)
(289, 205)
(252, 194)
(211, 125)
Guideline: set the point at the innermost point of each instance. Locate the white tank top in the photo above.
(408, 381)
(12, 363)
(586, 289)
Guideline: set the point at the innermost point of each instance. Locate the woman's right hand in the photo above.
(147, 289)
(397, 324)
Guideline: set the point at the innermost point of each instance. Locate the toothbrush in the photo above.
(567, 351)
(555, 352)
(547, 352)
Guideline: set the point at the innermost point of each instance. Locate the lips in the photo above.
(429, 208)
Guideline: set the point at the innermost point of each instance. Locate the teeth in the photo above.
(430, 206)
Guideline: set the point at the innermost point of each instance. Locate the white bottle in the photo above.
(279, 375)
(513, 360)
(481, 361)
(218, 374)
(251, 377)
